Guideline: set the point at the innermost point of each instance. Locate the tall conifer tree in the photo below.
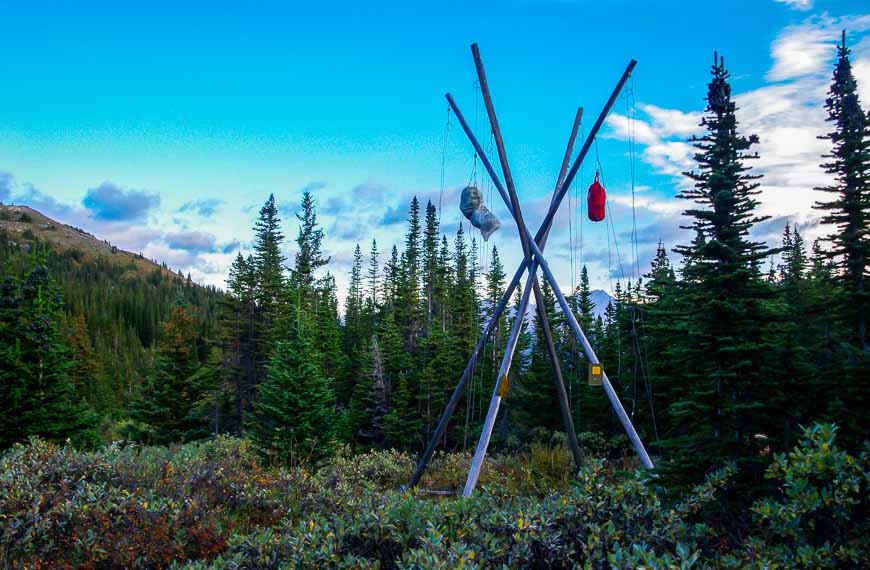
(725, 384)
(294, 419)
(269, 267)
(849, 208)
(37, 394)
(169, 407)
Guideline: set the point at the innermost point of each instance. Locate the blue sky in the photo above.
(163, 126)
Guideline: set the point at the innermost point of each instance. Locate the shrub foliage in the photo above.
(212, 505)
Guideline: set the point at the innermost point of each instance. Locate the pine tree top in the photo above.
(723, 189)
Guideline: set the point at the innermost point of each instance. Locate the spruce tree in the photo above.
(492, 292)
(848, 211)
(408, 308)
(848, 214)
(391, 279)
(444, 283)
(353, 305)
(309, 244)
(726, 381)
(37, 394)
(585, 306)
(430, 262)
(372, 277)
(662, 330)
(802, 388)
(326, 332)
(237, 336)
(464, 303)
(86, 371)
(293, 420)
(169, 407)
(269, 271)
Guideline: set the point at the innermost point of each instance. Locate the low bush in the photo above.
(212, 505)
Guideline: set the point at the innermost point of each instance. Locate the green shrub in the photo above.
(819, 519)
(126, 505)
(211, 504)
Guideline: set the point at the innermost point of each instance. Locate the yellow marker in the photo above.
(503, 386)
(595, 375)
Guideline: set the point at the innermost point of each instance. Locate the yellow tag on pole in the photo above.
(503, 386)
(595, 375)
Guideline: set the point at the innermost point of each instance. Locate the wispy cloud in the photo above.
(806, 48)
(787, 114)
(5, 186)
(204, 207)
(191, 241)
(796, 4)
(396, 214)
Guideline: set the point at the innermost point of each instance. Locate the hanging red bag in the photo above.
(595, 199)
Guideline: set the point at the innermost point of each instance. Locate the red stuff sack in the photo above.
(595, 199)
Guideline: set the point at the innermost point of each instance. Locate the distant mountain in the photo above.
(601, 299)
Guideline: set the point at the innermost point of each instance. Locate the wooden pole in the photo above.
(502, 380)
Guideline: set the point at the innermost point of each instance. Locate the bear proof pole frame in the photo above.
(533, 259)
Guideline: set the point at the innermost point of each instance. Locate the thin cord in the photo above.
(632, 124)
(582, 202)
(443, 163)
(637, 315)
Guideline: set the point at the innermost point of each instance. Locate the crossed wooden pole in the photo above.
(533, 260)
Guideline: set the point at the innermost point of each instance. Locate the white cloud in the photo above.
(174, 258)
(671, 122)
(861, 69)
(787, 114)
(806, 48)
(621, 127)
(796, 4)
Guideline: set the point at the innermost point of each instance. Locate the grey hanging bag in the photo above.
(472, 207)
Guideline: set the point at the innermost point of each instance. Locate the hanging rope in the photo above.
(578, 227)
(443, 163)
(474, 387)
(577, 196)
(641, 363)
(472, 180)
(630, 115)
(640, 345)
(444, 146)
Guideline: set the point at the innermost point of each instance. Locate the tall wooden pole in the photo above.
(502, 380)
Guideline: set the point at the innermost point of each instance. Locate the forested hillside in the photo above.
(107, 306)
(723, 355)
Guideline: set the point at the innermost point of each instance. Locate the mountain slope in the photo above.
(23, 223)
(115, 299)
